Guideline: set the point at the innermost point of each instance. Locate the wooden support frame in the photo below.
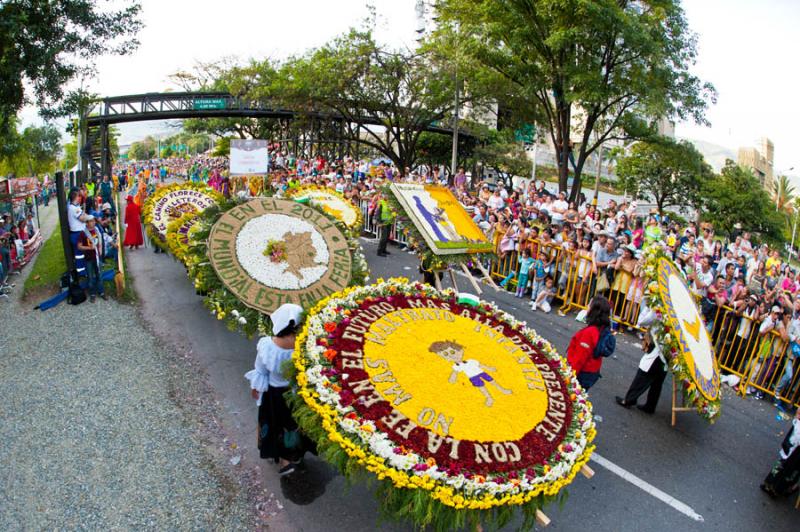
(453, 278)
(471, 279)
(541, 518)
(675, 407)
(487, 277)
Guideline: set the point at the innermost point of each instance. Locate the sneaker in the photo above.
(533, 305)
(103, 297)
(92, 299)
(759, 395)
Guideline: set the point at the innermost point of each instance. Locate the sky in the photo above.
(745, 48)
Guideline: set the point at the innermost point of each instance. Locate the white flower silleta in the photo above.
(252, 240)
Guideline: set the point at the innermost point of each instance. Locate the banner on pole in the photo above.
(249, 157)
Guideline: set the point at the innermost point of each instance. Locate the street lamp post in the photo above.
(454, 155)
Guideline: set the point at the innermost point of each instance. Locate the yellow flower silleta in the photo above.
(330, 418)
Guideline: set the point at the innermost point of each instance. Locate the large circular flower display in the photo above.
(171, 202)
(330, 201)
(459, 401)
(269, 251)
(178, 234)
(299, 260)
(681, 333)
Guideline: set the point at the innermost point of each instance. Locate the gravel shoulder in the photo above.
(104, 428)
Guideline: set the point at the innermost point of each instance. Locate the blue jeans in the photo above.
(587, 380)
(538, 286)
(786, 379)
(95, 285)
(5, 259)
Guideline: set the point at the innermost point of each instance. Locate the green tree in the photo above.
(44, 45)
(41, 148)
(238, 80)
(31, 152)
(736, 196)
(387, 97)
(70, 155)
(143, 150)
(436, 149)
(667, 172)
(502, 153)
(222, 147)
(597, 70)
(783, 193)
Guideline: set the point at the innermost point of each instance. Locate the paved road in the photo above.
(712, 472)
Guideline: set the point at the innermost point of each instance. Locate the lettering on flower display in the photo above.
(442, 412)
(387, 353)
(322, 267)
(175, 203)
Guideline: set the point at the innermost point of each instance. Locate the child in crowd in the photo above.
(545, 296)
(540, 275)
(525, 264)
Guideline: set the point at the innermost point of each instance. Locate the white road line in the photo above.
(649, 488)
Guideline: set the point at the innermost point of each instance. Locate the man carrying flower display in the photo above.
(649, 376)
(472, 369)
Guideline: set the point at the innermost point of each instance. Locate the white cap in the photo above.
(88, 217)
(284, 316)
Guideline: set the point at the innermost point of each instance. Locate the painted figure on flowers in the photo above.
(476, 372)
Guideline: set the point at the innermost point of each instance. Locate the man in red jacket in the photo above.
(580, 353)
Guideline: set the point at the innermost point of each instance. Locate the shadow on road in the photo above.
(307, 485)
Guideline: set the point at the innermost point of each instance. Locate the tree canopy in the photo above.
(238, 79)
(30, 152)
(783, 192)
(736, 196)
(386, 97)
(44, 45)
(586, 70)
(667, 172)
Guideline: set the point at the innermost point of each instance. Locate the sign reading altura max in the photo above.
(269, 252)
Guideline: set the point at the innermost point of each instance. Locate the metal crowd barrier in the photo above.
(763, 362)
(370, 225)
(574, 280)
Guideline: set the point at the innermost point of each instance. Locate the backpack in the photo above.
(606, 344)
(75, 295)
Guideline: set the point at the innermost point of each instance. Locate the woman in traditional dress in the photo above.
(133, 225)
(279, 438)
(783, 478)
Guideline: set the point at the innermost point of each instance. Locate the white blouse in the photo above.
(267, 372)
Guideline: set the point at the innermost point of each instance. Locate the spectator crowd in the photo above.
(561, 252)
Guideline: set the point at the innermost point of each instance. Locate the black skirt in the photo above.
(782, 480)
(274, 422)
